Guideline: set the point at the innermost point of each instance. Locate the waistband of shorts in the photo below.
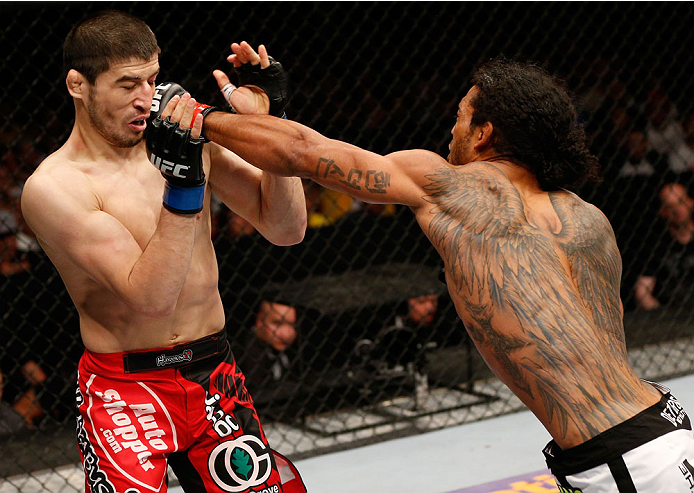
(160, 358)
(659, 419)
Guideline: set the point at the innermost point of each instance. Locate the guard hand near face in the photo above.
(175, 148)
(264, 87)
(163, 94)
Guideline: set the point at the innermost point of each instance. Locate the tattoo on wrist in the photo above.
(372, 180)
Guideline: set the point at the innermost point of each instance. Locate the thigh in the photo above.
(125, 433)
(230, 452)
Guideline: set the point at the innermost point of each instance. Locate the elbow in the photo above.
(155, 299)
(294, 237)
(291, 236)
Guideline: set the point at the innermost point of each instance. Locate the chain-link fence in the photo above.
(379, 351)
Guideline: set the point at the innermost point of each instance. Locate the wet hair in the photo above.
(535, 122)
(106, 37)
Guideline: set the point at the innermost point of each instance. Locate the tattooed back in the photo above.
(535, 277)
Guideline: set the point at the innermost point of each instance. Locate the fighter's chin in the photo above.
(128, 142)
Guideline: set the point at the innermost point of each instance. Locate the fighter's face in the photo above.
(120, 99)
(461, 146)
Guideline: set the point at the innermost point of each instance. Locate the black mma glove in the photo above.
(179, 158)
(163, 94)
(176, 154)
(272, 80)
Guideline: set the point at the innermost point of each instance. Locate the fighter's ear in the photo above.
(484, 136)
(76, 83)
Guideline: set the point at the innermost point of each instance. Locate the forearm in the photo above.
(156, 279)
(282, 209)
(281, 147)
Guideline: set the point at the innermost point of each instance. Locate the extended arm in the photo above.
(288, 148)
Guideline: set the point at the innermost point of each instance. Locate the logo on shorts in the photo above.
(164, 360)
(674, 412)
(96, 478)
(688, 472)
(239, 464)
(568, 490)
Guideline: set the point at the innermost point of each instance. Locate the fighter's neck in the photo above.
(518, 173)
(87, 143)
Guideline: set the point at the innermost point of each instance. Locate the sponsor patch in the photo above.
(131, 425)
(166, 360)
(240, 464)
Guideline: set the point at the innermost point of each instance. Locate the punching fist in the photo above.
(163, 94)
(177, 152)
(272, 80)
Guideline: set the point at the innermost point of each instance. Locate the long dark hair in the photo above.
(535, 122)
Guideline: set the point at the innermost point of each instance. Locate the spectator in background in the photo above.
(421, 311)
(23, 157)
(681, 159)
(12, 177)
(325, 206)
(667, 278)
(11, 422)
(631, 193)
(10, 263)
(275, 324)
(607, 109)
(602, 89)
(641, 160)
(403, 341)
(664, 130)
(28, 404)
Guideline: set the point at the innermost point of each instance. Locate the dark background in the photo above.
(385, 76)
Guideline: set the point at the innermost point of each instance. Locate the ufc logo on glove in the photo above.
(168, 167)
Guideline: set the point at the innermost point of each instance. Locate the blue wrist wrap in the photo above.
(184, 200)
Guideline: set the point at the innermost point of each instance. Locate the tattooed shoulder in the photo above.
(470, 194)
(580, 219)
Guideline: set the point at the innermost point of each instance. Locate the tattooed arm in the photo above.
(288, 148)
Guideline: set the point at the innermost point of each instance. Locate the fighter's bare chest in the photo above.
(135, 202)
